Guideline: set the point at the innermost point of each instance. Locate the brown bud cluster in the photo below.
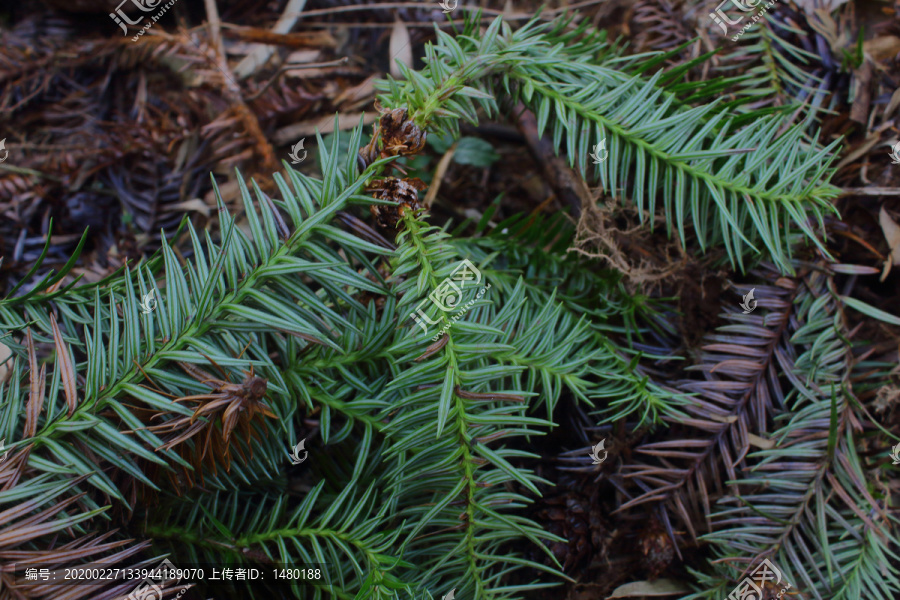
(404, 192)
(399, 135)
(395, 135)
(657, 548)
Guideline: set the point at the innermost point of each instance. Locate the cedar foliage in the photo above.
(136, 434)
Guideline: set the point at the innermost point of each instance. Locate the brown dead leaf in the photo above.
(309, 39)
(5, 354)
(261, 53)
(660, 587)
(195, 204)
(319, 72)
(352, 97)
(786, 283)
(299, 58)
(859, 110)
(37, 386)
(290, 134)
(729, 419)
(861, 150)
(891, 233)
(67, 369)
(50, 290)
(882, 48)
(887, 398)
(229, 191)
(400, 48)
(439, 173)
(811, 6)
(893, 104)
(760, 442)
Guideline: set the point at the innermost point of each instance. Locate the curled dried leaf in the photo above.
(235, 405)
(435, 347)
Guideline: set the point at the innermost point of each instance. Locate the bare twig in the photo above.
(234, 96)
(215, 24)
(262, 52)
(568, 186)
(306, 39)
(485, 11)
(871, 191)
(290, 133)
(294, 67)
(439, 172)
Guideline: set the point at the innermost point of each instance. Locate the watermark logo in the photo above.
(148, 589)
(4, 150)
(894, 154)
(148, 303)
(595, 452)
(595, 155)
(448, 296)
(294, 149)
(895, 454)
(448, 5)
(747, 6)
(121, 18)
(449, 596)
(720, 18)
(748, 303)
(755, 586)
(3, 447)
(295, 454)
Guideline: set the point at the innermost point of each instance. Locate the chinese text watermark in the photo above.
(448, 296)
(146, 6)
